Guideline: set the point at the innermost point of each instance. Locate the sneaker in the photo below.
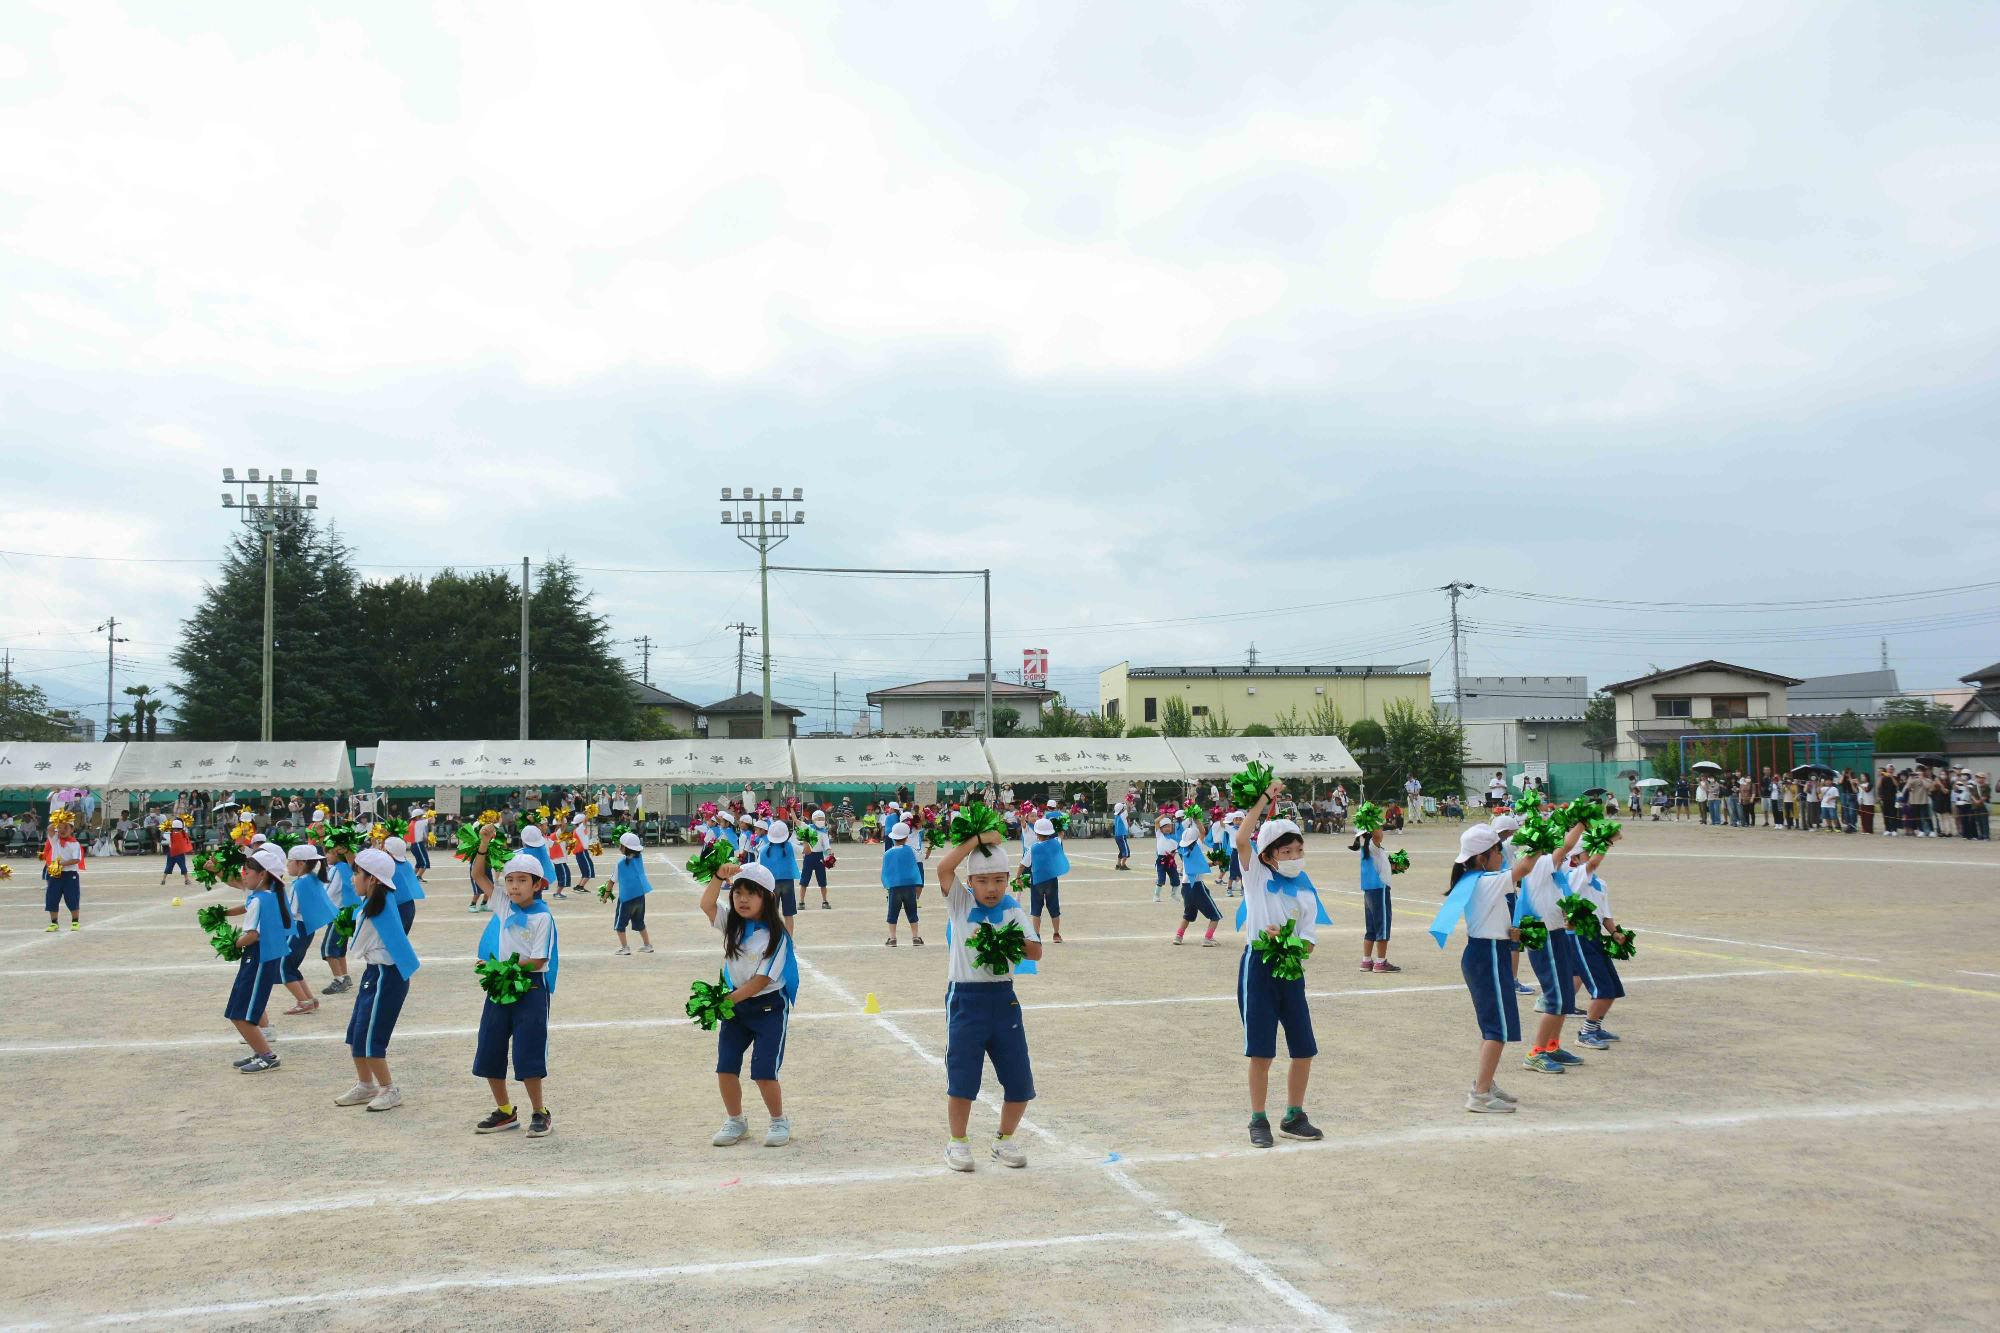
(825, 906)
(1541, 1064)
(1563, 1057)
(497, 1120)
(51, 930)
(1368, 965)
(257, 1064)
(645, 948)
(1520, 989)
(1504, 1095)
(780, 1133)
(622, 951)
(1177, 939)
(472, 907)
(76, 925)
(388, 1099)
(252, 1056)
(1486, 1103)
(916, 939)
(1384, 965)
(1208, 941)
(1607, 1034)
(358, 1095)
(733, 1131)
(1298, 1127)
(958, 1154)
(540, 1124)
(1594, 1040)
(1008, 1153)
(1260, 1133)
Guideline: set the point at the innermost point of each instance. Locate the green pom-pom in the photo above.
(709, 1003)
(1367, 817)
(1218, 860)
(466, 845)
(1597, 839)
(227, 941)
(345, 837)
(1399, 861)
(976, 819)
(710, 859)
(998, 950)
(808, 836)
(1528, 802)
(1246, 787)
(344, 922)
(211, 916)
(619, 830)
(1580, 811)
(1538, 835)
(1581, 915)
(504, 979)
(1059, 818)
(606, 892)
(1534, 932)
(1619, 944)
(219, 864)
(1284, 953)
(284, 841)
(394, 828)
(1022, 885)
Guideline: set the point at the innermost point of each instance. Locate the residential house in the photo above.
(954, 705)
(742, 718)
(675, 711)
(1271, 695)
(1660, 708)
(1972, 737)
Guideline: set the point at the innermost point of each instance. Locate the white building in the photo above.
(954, 705)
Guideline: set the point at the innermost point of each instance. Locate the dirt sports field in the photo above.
(1800, 1129)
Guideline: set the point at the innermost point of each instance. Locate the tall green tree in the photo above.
(319, 664)
(1600, 724)
(578, 684)
(1175, 720)
(25, 714)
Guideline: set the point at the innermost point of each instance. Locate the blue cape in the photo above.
(751, 930)
(1290, 888)
(343, 879)
(314, 911)
(273, 940)
(632, 881)
(1371, 878)
(993, 916)
(388, 926)
(1456, 904)
(780, 858)
(408, 890)
(900, 869)
(1048, 860)
(489, 939)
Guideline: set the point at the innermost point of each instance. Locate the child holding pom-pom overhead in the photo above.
(1595, 968)
(1482, 895)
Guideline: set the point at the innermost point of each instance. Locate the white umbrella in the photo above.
(1650, 782)
(1703, 763)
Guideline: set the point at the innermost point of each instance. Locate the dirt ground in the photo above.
(1799, 1129)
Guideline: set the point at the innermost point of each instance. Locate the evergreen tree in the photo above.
(579, 684)
(25, 714)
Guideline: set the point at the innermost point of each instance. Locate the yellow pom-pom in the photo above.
(590, 811)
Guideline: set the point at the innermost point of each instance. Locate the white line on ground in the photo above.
(1962, 972)
(1752, 944)
(851, 1013)
(46, 936)
(849, 1259)
(1470, 1133)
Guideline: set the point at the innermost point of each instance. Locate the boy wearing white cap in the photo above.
(903, 877)
(629, 878)
(522, 927)
(1166, 855)
(1195, 897)
(1276, 891)
(178, 847)
(1047, 864)
(780, 856)
(815, 860)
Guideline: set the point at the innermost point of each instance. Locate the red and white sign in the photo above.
(1035, 666)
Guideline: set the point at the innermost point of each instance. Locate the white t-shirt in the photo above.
(366, 947)
(1544, 893)
(739, 967)
(1592, 887)
(1164, 844)
(1413, 786)
(962, 970)
(530, 934)
(1266, 907)
(253, 916)
(419, 830)
(1486, 916)
(68, 854)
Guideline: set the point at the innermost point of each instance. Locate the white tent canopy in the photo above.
(1082, 759)
(172, 765)
(1287, 756)
(42, 766)
(496, 763)
(897, 758)
(691, 763)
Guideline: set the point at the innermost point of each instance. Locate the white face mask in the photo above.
(1289, 869)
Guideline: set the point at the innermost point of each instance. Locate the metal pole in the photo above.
(986, 584)
(764, 589)
(524, 647)
(110, 638)
(268, 631)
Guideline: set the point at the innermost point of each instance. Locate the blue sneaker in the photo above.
(1563, 1057)
(1520, 989)
(1542, 1064)
(1607, 1034)
(1595, 1040)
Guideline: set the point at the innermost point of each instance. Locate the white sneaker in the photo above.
(781, 1132)
(622, 952)
(388, 1099)
(1487, 1103)
(1008, 1153)
(645, 948)
(958, 1154)
(1503, 1094)
(733, 1130)
(358, 1095)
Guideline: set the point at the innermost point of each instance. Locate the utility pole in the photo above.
(281, 501)
(645, 642)
(766, 530)
(986, 680)
(1253, 657)
(836, 703)
(1885, 654)
(1453, 590)
(743, 632)
(524, 647)
(111, 640)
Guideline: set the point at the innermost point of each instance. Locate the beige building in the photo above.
(1657, 709)
(1262, 694)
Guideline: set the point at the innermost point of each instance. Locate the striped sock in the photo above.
(1590, 1025)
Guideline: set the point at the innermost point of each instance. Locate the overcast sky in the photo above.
(1168, 313)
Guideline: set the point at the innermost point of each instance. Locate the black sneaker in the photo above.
(497, 1121)
(1298, 1127)
(540, 1123)
(244, 1061)
(259, 1063)
(1260, 1132)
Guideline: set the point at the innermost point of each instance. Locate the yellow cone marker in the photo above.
(177, 902)
(869, 1006)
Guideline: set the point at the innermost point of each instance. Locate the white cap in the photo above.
(1044, 828)
(760, 823)
(899, 833)
(305, 852)
(1233, 817)
(269, 859)
(377, 863)
(780, 830)
(1166, 819)
(630, 841)
(757, 874)
(743, 819)
(397, 848)
(258, 840)
(987, 859)
(819, 816)
(1190, 836)
(892, 806)
(1273, 830)
(531, 836)
(178, 824)
(1504, 824)
(577, 821)
(1478, 840)
(521, 863)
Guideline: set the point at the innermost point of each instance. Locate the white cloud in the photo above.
(1502, 219)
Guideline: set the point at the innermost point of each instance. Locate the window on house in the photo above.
(1111, 709)
(751, 728)
(1199, 710)
(1724, 705)
(1152, 710)
(1666, 707)
(958, 719)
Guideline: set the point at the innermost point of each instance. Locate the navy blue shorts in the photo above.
(984, 1019)
(904, 899)
(1047, 893)
(330, 943)
(1195, 897)
(252, 991)
(760, 1027)
(408, 912)
(174, 863)
(524, 1024)
(377, 1005)
(1600, 976)
(631, 914)
(420, 855)
(586, 869)
(1377, 914)
(1166, 870)
(815, 866)
(788, 897)
(1124, 847)
(302, 940)
(1554, 966)
(63, 889)
(1263, 1003)
(1488, 969)
(562, 874)
(1235, 866)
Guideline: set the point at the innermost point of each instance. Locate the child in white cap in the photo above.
(1047, 864)
(761, 969)
(628, 877)
(903, 878)
(521, 926)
